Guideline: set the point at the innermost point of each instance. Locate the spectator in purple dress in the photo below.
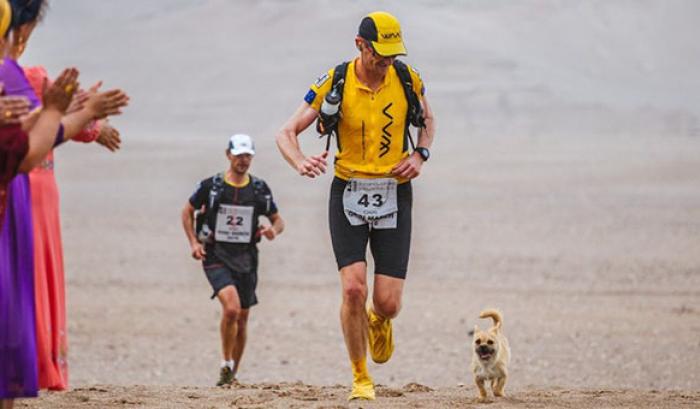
(20, 150)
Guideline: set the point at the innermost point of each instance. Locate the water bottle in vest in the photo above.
(330, 108)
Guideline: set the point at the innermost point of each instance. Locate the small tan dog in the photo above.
(490, 356)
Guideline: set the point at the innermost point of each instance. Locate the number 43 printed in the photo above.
(377, 200)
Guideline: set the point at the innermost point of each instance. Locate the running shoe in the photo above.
(362, 388)
(380, 337)
(225, 376)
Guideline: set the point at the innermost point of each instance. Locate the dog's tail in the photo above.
(495, 315)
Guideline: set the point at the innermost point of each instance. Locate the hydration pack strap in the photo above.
(338, 75)
(214, 199)
(414, 116)
(261, 196)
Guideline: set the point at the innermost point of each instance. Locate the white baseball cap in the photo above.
(240, 143)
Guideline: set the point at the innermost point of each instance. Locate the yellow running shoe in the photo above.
(362, 385)
(362, 389)
(379, 336)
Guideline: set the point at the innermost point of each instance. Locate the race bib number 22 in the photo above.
(234, 224)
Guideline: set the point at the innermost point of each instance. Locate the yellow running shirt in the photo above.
(371, 132)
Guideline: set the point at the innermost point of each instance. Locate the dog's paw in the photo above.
(483, 399)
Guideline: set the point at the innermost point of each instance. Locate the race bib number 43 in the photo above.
(371, 201)
(234, 224)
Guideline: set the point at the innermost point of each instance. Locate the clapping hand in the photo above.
(106, 103)
(59, 94)
(109, 137)
(12, 108)
(78, 101)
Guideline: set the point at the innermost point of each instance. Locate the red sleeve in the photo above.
(89, 133)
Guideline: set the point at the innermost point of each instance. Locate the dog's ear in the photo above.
(476, 329)
(495, 330)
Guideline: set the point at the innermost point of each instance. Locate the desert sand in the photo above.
(563, 189)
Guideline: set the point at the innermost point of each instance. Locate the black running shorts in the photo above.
(390, 247)
(220, 276)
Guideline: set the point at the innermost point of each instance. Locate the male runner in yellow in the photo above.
(371, 194)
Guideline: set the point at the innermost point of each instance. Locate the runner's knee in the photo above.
(355, 293)
(232, 313)
(354, 282)
(387, 307)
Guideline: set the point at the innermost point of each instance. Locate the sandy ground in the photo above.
(564, 189)
(298, 395)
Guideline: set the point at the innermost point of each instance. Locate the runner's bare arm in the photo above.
(425, 137)
(288, 143)
(277, 227)
(187, 217)
(410, 167)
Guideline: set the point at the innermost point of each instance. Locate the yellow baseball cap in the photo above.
(5, 17)
(384, 32)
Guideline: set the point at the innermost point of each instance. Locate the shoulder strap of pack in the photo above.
(415, 110)
(261, 195)
(338, 75)
(402, 71)
(216, 188)
(258, 185)
(218, 180)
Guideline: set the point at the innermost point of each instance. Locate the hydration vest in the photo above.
(208, 217)
(414, 114)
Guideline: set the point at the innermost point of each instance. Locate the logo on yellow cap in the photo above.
(391, 36)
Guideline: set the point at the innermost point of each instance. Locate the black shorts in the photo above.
(390, 247)
(220, 276)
